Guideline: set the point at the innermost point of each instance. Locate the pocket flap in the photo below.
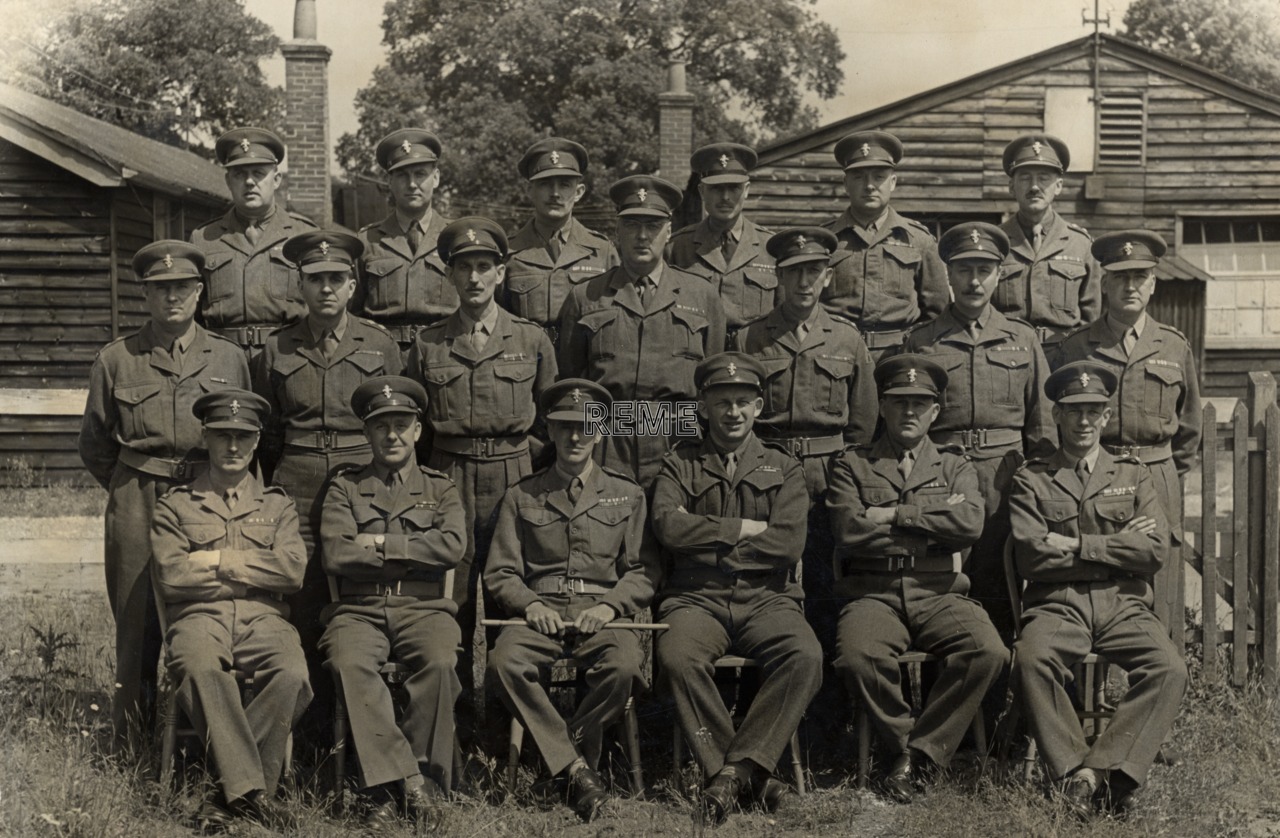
(760, 278)
(879, 496)
(763, 479)
(515, 372)
(367, 360)
(421, 516)
(834, 367)
(610, 515)
(1116, 511)
(382, 267)
(694, 322)
(524, 282)
(263, 536)
(1169, 375)
(204, 534)
(904, 254)
(1058, 510)
(538, 516)
(1009, 359)
(1067, 269)
(213, 261)
(596, 320)
(135, 393)
(441, 376)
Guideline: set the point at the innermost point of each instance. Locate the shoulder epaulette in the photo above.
(373, 324)
(366, 228)
(346, 469)
(439, 324)
(430, 472)
(1173, 329)
(297, 216)
(1083, 327)
(211, 333)
(775, 445)
(952, 449)
(684, 231)
(1013, 318)
(535, 474)
(755, 320)
(911, 222)
(275, 490)
(615, 473)
(515, 318)
(275, 330)
(1074, 226)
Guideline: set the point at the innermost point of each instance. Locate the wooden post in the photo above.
(1209, 542)
(1268, 636)
(1261, 395)
(1240, 545)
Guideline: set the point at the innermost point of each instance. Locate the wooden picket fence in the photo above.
(1234, 543)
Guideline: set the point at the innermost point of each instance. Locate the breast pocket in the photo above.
(221, 277)
(1116, 513)
(384, 281)
(608, 526)
(1062, 516)
(900, 269)
(141, 413)
(282, 282)
(777, 388)
(689, 334)
(420, 518)
(204, 536)
(1009, 371)
(1162, 387)
(513, 386)
(1010, 291)
(545, 533)
(957, 393)
(527, 292)
(879, 496)
(1064, 284)
(603, 340)
(832, 384)
(447, 396)
(757, 491)
(759, 288)
(262, 537)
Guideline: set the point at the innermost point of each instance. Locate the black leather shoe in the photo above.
(721, 795)
(384, 816)
(773, 795)
(587, 793)
(213, 816)
(424, 806)
(1078, 793)
(266, 810)
(900, 782)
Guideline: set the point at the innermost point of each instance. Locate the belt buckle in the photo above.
(573, 586)
(897, 563)
(797, 447)
(486, 446)
(182, 471)
(327, 439)
(1125, 450)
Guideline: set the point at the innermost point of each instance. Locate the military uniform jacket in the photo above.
(822, 388)
(308, 393)
(1047, 497)
(889, 281)
(1059, 286)
(490, 393)
(698, 512)
(250, 284)
(258, 546)
(747, 285)
(398, 286)
(636, 351)
(536, 284)
(1158, 399)
(604, 539)
(422, 524)
(924, 523)
(996, 383)
(140, 398)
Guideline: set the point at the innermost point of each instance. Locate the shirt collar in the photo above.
(406, 221)
(404, 471)
(246, 222)
(487, 323)
(338, 331)
(1090, 460)
(566, 478)
(1118, 329)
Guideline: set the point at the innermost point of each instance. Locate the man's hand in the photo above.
(1142, 524)
(882, 514)
(1062, 542)
(750, 528)
(594, 618)
(543, 619)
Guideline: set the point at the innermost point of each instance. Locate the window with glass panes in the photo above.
(1243, 256)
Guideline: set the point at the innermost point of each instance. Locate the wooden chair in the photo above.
(738, 664)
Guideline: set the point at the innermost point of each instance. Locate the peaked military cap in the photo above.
(868, 148)
(566, 401)
(1081, 381)
(232, 409)
(248, 147)
(1036, 150)
(167, 259)
(974, 240)
(473, 234)
(645, 195)
(388, 394)
(723, 163)
(1129, 249)
(729, 368)
(910, 375)
(553, 157)
(406, 147)
(801, 244)
(323, 250)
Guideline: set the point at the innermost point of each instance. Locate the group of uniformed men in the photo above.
(883, 423)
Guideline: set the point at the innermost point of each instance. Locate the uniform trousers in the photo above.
(209, 639)
(985, 566)
(362, 634)
(1168, 580)
(891, 613)
(1062, 623)
(749, 620)
(131, 501)
(521, 662)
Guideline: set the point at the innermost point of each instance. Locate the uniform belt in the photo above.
(406, 332)
(893, 564)
(1050, 335)
(490, 446)
(1146, 453)
(422, 588)
(884, 340)
(174, 469)
(807, 446)
(978, 438)
(567, 585)
(248, 335)
(324, 440)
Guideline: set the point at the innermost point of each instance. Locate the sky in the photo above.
(893, 48)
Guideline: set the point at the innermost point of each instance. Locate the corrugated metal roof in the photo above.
(129, 156)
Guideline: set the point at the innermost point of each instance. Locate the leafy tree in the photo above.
(1238, 38)
(179, 72)
(492, 77)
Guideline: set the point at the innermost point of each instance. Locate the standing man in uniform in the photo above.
(226, 550)
(726, 248)
(402, 283)
(1088, 533)
(731, 513)
(391, 532)
(251, 287)
(1156, 410)
(994, 407)
(641, 328)
(1049, 278)
(899, 510)
(553, 251)
(139, 439)
(886, 275)
(570, 555)
(484, 371)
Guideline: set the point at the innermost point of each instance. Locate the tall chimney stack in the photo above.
(675, 126)
(306, 85)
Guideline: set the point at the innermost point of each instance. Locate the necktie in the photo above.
(1037, 236)
(415, 236)
(1130, 340)
(726, 247)
(643, 287)
(393, 480)
(553, 247)
(229, 497)
(905, 462)
(253, 233)
(478, 337)
(802, 332)
(575, 490)
(328, 344)
(1082, 471)
(730, 463)
(973, 330)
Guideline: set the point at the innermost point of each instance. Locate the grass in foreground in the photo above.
(54, 674)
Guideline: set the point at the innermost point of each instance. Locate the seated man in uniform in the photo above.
(732, 515)
(1089, 533)
(900, 508)
(390, 531)
(226, 551)
(570, 555)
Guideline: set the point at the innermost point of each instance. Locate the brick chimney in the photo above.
(306, 86)
(675, 126)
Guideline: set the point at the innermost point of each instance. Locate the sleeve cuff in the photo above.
(907, 515)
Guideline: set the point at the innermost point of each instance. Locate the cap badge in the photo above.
(406, 148)
(643, 195)
(973, 234)
(1084, 379)
(801, 241)
(244, 146)
(555, 158)
(324, 248)
(1036, 147)
(168, 261)
(1128, 248)
(864, 150)
(471, 235)
(386, 390)
(724, 161)
(235, 407)
(733, 368)
(577, 395)
(911, 375)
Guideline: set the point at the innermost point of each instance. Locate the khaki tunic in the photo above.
(536, 284)
(747, 285)
(399, 288)
(1056, 288)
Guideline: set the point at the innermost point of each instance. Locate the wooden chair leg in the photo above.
(286, 768)
(862, 725)
(980, 740)
(677, 754)
(168, 740)
(339, 752)
(631, 728)
(516, 744)
(1029, 761)
(797, 769)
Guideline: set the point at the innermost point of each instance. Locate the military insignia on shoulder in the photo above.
(1114, 491)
